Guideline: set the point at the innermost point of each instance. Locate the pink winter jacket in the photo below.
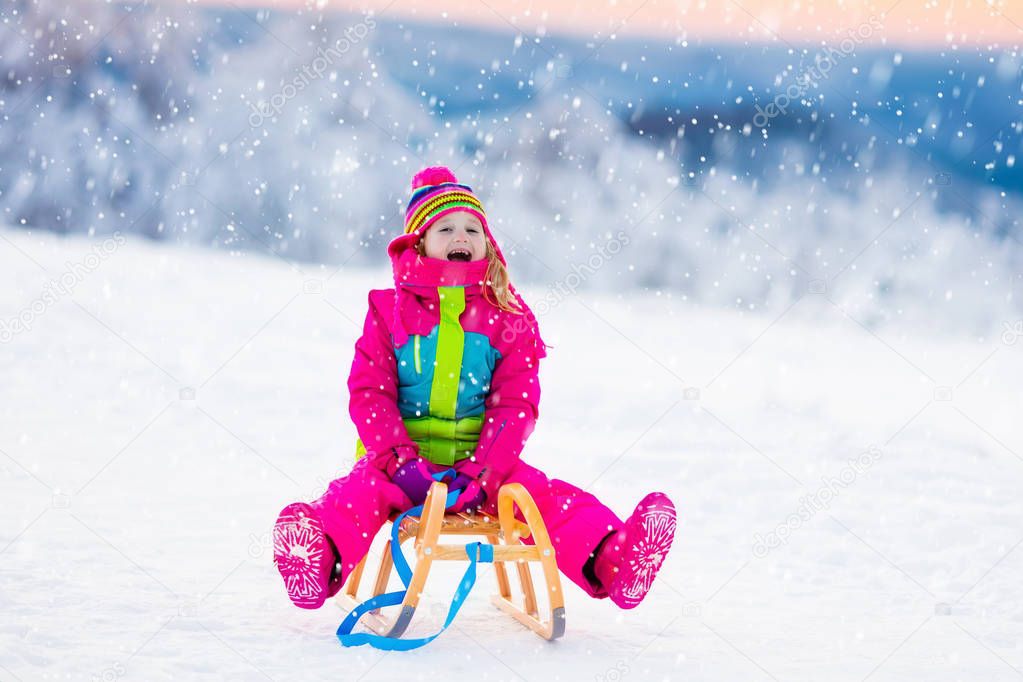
(510, 406)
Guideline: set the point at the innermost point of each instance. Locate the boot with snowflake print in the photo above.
(628, 560)
(306, 557)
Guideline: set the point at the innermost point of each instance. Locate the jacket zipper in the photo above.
(415, 341)
(494, 440)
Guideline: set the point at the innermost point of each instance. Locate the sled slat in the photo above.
(501, 553)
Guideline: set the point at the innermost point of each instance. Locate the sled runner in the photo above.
(503, 546)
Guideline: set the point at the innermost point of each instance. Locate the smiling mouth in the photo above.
(461, 255)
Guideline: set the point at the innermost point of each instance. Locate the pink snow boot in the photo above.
(305, 556)
(628, 560)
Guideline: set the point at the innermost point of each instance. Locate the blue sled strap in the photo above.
(474, 551)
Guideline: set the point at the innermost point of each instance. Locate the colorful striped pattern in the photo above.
(432, 201)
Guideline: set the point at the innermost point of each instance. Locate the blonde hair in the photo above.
(498, 293)
(499, 281)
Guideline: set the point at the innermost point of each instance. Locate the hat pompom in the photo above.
(434, 175)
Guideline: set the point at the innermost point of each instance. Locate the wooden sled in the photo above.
(505, 534)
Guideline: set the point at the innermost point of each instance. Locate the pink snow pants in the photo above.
(356, 506)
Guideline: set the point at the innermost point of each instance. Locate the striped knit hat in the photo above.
(435, 193)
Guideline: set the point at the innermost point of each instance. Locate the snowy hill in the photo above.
(163, 405)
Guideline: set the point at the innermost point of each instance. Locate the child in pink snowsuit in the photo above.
(445, 375)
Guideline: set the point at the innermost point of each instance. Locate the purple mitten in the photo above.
(471, 499)
(414, 479)
(460, 482)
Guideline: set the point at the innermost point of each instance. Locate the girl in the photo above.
(445, 376)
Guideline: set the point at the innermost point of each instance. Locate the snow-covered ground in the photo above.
(158, 414)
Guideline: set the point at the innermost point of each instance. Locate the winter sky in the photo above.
(920, 23)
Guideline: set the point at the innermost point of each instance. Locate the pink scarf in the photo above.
(411, 269)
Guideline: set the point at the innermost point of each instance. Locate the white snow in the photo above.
(156, 419)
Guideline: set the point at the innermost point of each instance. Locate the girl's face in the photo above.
(457, 236)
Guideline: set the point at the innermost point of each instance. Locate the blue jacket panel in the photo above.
(416, 379)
